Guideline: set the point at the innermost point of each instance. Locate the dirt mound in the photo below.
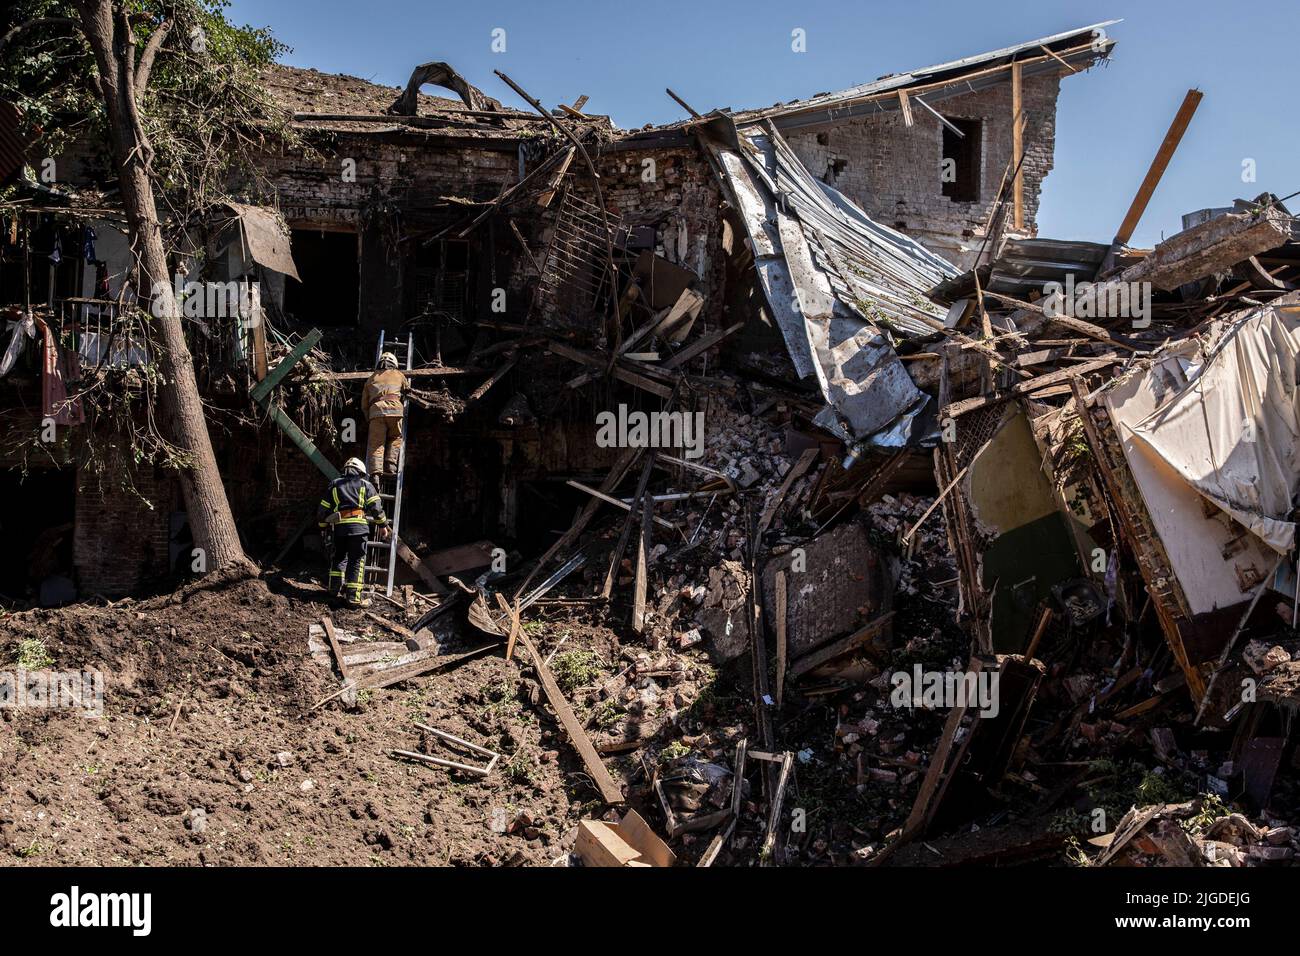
(208, 634)
(208, 751)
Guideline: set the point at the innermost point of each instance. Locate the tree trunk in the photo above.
(181, 410)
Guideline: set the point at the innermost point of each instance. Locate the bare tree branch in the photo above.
(149, 54)
(21, 28)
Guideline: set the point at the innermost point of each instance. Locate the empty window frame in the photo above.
(962, 161)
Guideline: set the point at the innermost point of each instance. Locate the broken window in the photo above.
(328, 264)
(962, 161)
(442, 279)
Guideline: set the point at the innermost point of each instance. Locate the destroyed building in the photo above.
(914, 450)
(387, 231)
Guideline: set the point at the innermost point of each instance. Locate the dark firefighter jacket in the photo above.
(353, 499)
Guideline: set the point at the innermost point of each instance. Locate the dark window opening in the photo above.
(37, 566)
(327, 264)
(961, 172)
(441, 281)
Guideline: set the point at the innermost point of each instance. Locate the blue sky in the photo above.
(719, 53)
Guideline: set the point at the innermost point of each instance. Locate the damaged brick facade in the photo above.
(894, 171)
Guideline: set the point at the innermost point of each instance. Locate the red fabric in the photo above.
(54, 393)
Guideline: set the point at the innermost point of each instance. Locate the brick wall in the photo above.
(893, 171)
(120, 538)
(675, 191)
(314, 189)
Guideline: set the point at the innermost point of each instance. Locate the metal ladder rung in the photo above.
(403, 350)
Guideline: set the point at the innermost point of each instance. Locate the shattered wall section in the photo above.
(893, 171)
(1029, 545)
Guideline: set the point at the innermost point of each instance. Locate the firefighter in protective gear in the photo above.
(381, 400)
(349, 506)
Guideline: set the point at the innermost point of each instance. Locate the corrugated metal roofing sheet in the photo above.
(834, 280)
(845, 103)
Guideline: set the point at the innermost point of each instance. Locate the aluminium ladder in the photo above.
(380, 573)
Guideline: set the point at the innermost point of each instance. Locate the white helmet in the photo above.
(354, 466)
(388, 360)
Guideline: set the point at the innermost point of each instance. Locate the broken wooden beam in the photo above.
(834, 649)
(328, 625)
(616, 559)
(766, 852)
(624, 375)
(779, 623)
(1061, 376)
(617, 502)
(441, 371)
(1159, 164)
(642, 571)
(1213, 246)
(701, 344)
(417, 668)
(610, 791)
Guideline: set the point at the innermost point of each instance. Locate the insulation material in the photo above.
(1233, 433)
(1217, 565)
(835, 281)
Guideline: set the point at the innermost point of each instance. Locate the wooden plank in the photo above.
(905, 105)
(609, 790)
(497, 376)
(617, 557)
(779, 622)
(611, 481)
(774, 816)
(738, 777)
(1043, 620)
(441, 371)
(258, 339)
(957, 409)
(416, 564)
(328, 624)
(512, 614)
(834, 649)
(911, 532)
(418, 668)
(699, 345)
(300, 439)
(622, 374)
(461, 557)
(263, 388)
(1072, 69)
(393, 626)
(715, 846)
(796, 471)
(642, 566)
(683, 104)
(1158, 166)
(616, 502)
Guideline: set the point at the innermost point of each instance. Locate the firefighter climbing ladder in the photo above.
(380, 572)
